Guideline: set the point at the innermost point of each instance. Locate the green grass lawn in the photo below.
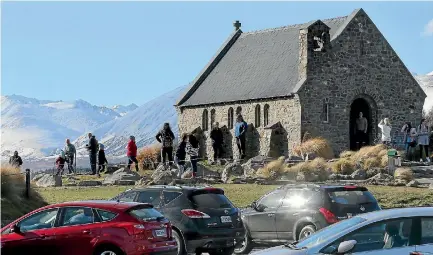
(243, 194)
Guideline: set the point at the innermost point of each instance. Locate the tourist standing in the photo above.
(412, 141)
(70, 153)
(181, 155)
(166, 137)
(15, 160)
(361, 131)
(385, 127)
(240, 133)
(60, 163)
(192, 148)
(102, 160)
(423, 139)
(406, 129)
(217, 141)
(131, 153)
(92, 148)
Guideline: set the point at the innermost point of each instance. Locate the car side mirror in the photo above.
(346, 246)
(15, 229)
(253, 205)
(260, 208)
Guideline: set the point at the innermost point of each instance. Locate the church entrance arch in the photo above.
(367, 106)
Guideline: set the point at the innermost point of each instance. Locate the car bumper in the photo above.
(145, 248)
(207, 242)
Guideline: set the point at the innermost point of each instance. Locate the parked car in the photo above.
(387, 232)
(90, 228)
(203, 218)
(293, 212)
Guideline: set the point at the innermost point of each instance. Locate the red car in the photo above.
(90, 228)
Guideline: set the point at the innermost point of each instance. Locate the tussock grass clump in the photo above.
(318, 166)
(273, 169)
(403, 173)
(367, 157)
(14, 204)
(347, 154)
(368, 152)
(149, 155)
(343, 166)
(317, 146)
(370, 163)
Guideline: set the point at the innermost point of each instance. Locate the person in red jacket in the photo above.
(131, 153)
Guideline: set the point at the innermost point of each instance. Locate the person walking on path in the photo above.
(192, 148)
(240, 133)
(102, 160)
(70, 155)
(60, 163)
(92, 148)
(166, 137)
(423, 139)
(131, 153)
(15, 160)
(217, 141)
(181, 155)
(385, 127)
(361, 131)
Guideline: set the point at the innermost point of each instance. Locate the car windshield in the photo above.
(328, 233)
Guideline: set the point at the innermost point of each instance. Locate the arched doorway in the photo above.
(361, 105)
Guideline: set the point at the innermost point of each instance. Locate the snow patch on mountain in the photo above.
(426, 83)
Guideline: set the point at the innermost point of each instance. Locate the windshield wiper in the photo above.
(292, 245)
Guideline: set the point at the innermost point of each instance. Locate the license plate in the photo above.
(226, 219)
(161, 233)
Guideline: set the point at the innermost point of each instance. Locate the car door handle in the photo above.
(86, 232)
(271, 214)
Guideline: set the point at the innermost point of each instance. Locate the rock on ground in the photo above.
(359, 175)
(37, 177)
(88, 183)
(253, 164)
(49, 180)
(122, 174)
(232, 169)
(413, 183)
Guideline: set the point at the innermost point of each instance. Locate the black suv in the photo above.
(203, 218)
(293, 212)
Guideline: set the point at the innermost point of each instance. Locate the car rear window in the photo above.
(351, 197)
(211, 200)
(146, 214)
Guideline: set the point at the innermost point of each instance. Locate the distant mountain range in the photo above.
(38, 128)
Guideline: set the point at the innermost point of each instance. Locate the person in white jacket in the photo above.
(385, 127)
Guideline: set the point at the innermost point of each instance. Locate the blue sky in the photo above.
(120, 53)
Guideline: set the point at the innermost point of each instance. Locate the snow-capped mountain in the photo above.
(143, 123)
(36, 128)
(123, 110)
(426, 82)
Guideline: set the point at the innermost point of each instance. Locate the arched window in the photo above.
(257, 114)
(230, 118)
(205, 121)
(266, 115)
(212, 118)
(238, 110)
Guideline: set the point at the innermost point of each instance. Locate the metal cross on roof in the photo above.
(237, 24)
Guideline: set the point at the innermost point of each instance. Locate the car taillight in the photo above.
(329, 216)
(194, 214)
(134, 229)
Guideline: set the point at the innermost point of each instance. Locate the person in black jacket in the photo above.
(92, 148)
(102, 160)
(217, 141)
(181, 155)
(166, 137)
(15, 160)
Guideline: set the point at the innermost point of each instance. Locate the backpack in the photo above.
(167, 140)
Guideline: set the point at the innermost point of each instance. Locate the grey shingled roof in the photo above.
(260, 64)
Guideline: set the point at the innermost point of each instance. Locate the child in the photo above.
(102, 160)
(181, 155)
(192, 148)
(60, 163)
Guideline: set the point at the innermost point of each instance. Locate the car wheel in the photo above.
(109, 250)
(223, 251)
(245, 246)
(180, 243)
(306, 231)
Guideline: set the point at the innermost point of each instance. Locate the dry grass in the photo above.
(273, 169)
(343, 166)
(373, 162)
(347, 154)
(148, 155)
(318, 166)
(403, 173)
(369, 152)
(317, 146)
(13, 201)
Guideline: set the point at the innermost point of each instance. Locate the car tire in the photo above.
(108, 250)
(306, 231)
(223, 251)
(180, 243)
(246, 247)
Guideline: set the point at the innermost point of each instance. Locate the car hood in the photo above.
(247, 210)
(280, 250)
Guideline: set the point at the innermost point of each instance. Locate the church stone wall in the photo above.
(360, 64)
(287, 111)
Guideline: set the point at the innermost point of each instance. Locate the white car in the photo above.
(407, 231)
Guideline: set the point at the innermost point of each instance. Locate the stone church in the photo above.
(314, 77)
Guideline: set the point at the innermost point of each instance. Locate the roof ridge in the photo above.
(289, 26)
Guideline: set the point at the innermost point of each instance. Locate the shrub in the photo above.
(347, 154)
(370, 163)
(403, 173)
(317, 146)
(343, 166)
(273, 169)
(148, 156)
(14, 204)
(318, 166)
